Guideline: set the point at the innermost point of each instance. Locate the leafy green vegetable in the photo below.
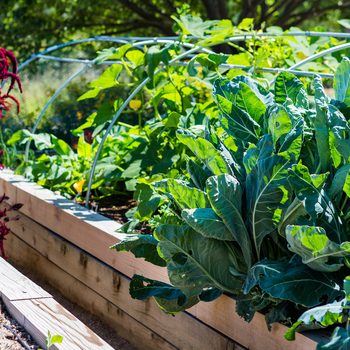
(315, 248)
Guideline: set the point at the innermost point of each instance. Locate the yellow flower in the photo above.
(78, 186)
(135, 104)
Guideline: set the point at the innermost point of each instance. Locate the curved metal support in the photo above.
(116, 117)
(262, 69)
(239, 37)
(105, 39)
(67, 44)
(125, 40)
(314, 57)
(49, 102)
(321, 54)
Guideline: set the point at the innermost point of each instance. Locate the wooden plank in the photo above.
(91, 232)
(16, 286)
(38, 316)
(95, 238)
(115, 288)
(39, 313)
(158, 324)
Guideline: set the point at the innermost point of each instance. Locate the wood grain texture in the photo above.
(16, 286)
(142, 323)
(39, 313)
(114, 287)
(38, 316)
(94, 234)
(91, 232)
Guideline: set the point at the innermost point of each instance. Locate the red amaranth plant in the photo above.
(5, 218)
(8, 70)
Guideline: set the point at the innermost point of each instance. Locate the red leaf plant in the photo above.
(5, 218)
(8, 71)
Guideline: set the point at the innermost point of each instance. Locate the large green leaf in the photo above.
(295, 212)
(237, 122)
(169, 298)
(339, 134)
(287, 85)
(142, 246)
(315, 248)
(230, 88)
(293, 281)
(225, 196)
(154, 56)
(310, 191)
(279, 122)
(185, 196)
(207, 223)
(338, 181)
(242, 96)
(321, 126)
(268, 193)
(205, 151)
(322, 316)
(346, 187)
(342, 82)
(197, 173)
(194, 262)
(340, 340)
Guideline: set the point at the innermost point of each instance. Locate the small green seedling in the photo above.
(53, 339)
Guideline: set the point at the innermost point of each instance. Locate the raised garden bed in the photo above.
(68, 245)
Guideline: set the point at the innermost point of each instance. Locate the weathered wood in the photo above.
(39, 313)
(91, 232)
(95, 233)
(16, 286)
(38, 316)
(106, 294)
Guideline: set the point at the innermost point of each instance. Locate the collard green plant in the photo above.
(262, 212)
